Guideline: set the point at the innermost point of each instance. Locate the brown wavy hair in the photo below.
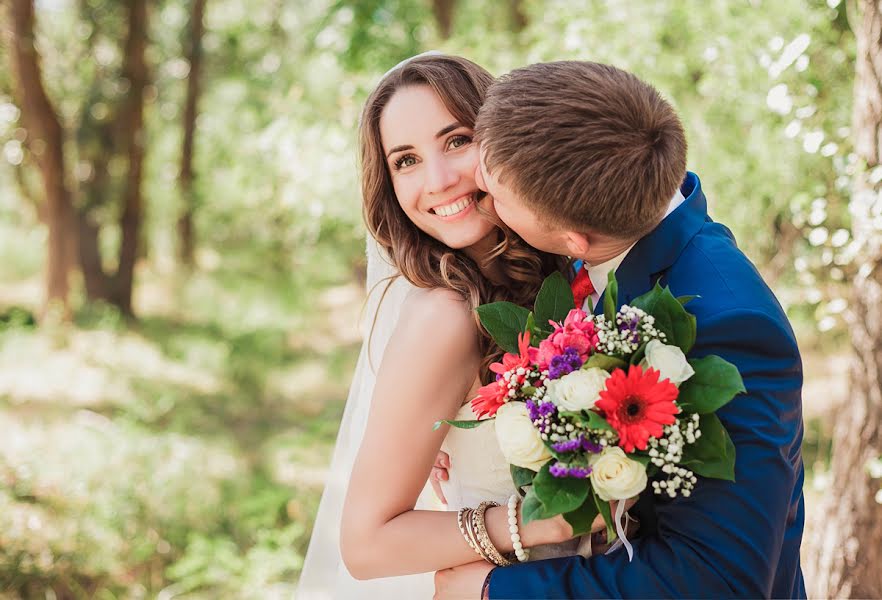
(424, 261)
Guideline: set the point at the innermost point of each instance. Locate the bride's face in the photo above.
(432, 161)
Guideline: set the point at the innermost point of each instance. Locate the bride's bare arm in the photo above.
(426, 372)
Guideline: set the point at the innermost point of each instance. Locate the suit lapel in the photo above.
(657, 251)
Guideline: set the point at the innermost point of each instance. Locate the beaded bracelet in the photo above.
(522, 554)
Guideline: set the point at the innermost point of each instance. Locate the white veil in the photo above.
(324, 576)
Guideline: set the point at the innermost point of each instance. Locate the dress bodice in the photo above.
(479, 471)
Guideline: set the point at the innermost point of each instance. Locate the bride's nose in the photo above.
(440, 176)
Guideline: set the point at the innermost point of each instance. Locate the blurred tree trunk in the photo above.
(443, 10)
(845, 554)
(122, 136)
(517, 15)
(46, 142)
(185, 179)
(131, 124)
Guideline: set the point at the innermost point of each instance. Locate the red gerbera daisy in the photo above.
(638, 405)
(489, 399)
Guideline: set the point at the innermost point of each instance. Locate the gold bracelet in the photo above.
(473, 536)
(464, 515)
(495, 555)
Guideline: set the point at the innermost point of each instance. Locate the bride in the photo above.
(436, 252)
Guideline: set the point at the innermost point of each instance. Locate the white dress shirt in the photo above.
(599, 274)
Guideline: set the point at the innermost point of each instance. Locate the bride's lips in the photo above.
(463, 205)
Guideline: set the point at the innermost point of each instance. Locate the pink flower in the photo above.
(493, 395)
(577, 332)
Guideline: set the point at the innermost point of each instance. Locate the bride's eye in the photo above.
(458, 141)
(408, 160)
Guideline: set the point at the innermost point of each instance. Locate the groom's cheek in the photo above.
(479, 178)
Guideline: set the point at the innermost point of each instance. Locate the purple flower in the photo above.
(630, 326)
(579, 443)
(561, 470)
(541, 414)
(564, 364)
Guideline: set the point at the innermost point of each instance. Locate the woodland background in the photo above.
(182, 265)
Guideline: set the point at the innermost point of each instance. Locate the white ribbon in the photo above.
(620, 530)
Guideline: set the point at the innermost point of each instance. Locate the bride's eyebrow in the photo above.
(444, 131)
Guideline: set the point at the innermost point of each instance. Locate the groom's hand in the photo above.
(461, 583)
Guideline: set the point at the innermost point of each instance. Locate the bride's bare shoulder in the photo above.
(437, 307)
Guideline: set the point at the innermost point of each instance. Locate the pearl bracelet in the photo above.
(522, 554)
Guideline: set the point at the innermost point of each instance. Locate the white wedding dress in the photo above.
(478, 469)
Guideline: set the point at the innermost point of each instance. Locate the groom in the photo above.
(586, 160)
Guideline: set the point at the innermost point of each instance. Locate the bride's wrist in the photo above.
(535, 533)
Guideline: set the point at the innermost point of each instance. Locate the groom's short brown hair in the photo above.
(584, 145)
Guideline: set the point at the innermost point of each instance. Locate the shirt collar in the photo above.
(599, 274)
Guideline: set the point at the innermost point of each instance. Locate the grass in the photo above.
(181, 455)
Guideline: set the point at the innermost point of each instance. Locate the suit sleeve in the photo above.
(724, 540)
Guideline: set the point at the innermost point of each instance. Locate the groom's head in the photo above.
(581, 158)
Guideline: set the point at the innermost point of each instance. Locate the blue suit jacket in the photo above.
(727, 539)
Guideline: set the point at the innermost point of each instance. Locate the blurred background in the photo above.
(182, 257)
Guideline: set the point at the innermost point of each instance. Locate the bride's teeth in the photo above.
(453, 209)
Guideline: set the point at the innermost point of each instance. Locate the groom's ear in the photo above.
(577, 244)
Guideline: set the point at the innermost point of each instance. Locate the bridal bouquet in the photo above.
(590, 409)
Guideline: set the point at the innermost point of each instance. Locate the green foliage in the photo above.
(521, 477)
(611, 298)
(582, 518)
(559, 495)
(554, 301)
(712, 454)
(459, 424)
(504, 321)
(713, 385)
(671, 317)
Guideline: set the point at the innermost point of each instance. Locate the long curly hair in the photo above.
(424, 261)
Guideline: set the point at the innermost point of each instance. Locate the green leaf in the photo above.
(555, 299)
(583, 517)
(605, 362)
(611, 298)
(713, 385)
(713, 454)
(684, 300)
(459, 424)
(521, 477)
(595, 421)
(639, 354)
(604, 509)
(532, 508)
(504, 321)
(643, 459)
(670, 317)
(559, 495)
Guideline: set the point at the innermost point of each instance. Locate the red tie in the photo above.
(582, 287)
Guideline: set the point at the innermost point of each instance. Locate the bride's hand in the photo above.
(559, 530)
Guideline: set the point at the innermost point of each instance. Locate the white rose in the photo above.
(580, 389)
(615, 476)
(518, 438)
(669, 361)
